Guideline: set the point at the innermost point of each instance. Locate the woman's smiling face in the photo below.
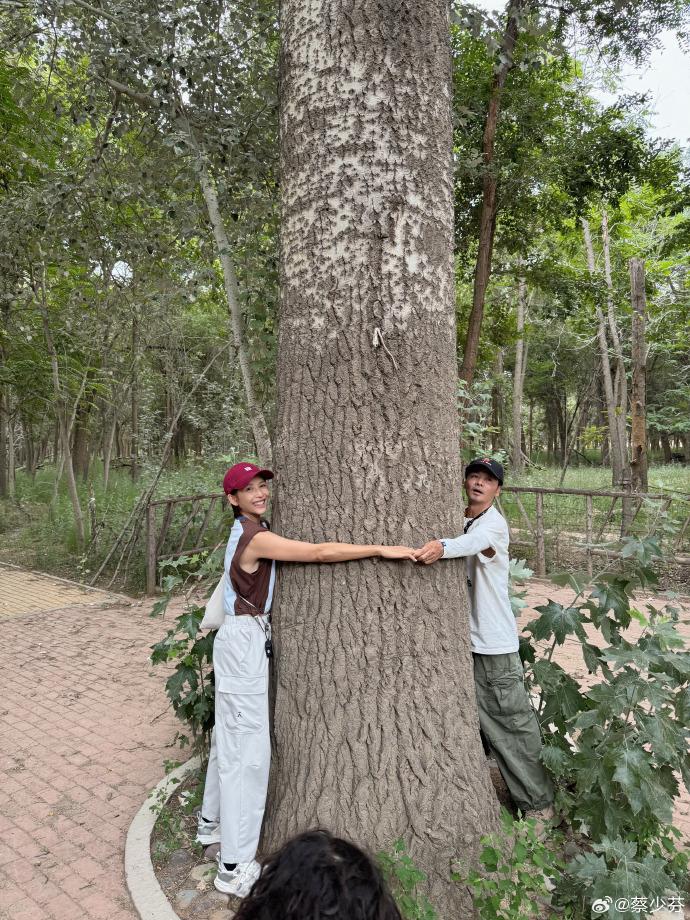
(252, 500)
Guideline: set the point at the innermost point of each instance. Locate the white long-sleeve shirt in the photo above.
(493, 630)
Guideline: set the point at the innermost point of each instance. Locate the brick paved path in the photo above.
(83, 734)
(83, 729)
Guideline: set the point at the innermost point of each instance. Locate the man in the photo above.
(508, 723)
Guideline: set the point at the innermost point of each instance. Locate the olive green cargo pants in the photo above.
(510, 728)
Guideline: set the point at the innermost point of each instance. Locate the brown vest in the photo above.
(251, 587)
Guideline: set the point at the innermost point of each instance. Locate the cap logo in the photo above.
(247, 469)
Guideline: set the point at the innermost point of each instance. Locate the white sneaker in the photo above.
(207, 832)
(242, 880)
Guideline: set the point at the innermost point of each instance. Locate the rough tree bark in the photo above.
(489, 208)
(518, 379)
(375, 717)
(639, 463)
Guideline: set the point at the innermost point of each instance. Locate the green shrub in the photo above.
(515, 872)
(190, 686)
(617, 746)
(403, 879)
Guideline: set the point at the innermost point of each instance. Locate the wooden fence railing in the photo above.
(185, 526)
(552, 527)
(586, 519)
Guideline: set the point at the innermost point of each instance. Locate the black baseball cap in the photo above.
(488, 465)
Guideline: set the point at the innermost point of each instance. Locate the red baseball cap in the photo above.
(239, 475)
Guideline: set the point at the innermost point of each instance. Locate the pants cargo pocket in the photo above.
(507, 697)
(243, 703)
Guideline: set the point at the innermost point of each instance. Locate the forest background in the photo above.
(139, 235)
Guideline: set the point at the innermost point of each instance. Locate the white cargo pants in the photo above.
(243, 745)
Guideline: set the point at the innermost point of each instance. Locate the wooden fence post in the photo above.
(541, 551)
(589, 531)
(151, 549)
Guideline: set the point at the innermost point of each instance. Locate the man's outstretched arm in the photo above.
(468, 544)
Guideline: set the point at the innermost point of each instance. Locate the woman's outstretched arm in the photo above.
(271, 546)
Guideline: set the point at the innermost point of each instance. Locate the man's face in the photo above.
(481, 487)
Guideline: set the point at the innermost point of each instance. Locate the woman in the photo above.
(321, 877)
(240, 662)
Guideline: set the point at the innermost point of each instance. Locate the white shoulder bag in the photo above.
(215, 607)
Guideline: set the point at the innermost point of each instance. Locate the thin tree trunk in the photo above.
(4, 410)
(518, 379)
(617, 449)
(367, 386)
(129, 531)
(561, 407)
(256, 416)
(639, 377)
(531, 429)
(497, 438)
(108, 447)
(489, 206)
(255, 412)
(11, 457)
(134, 396)
(620, 379)
(80, 440)
(4, 478)
(572, 429)
(61, 411)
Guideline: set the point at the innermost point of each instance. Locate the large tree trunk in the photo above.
(489, 208)
(376, 732)
(639, 463)
(518, 379)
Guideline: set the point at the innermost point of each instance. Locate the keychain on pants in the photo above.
(266, 630)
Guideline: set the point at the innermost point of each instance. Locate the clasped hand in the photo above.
(430, 552)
